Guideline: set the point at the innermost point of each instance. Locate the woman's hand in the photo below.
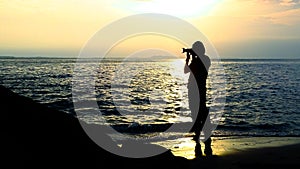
(188, 56)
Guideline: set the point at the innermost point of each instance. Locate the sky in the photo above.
(237, 28)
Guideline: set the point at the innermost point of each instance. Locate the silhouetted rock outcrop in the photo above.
(35, 136)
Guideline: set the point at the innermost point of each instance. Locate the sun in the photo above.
(176, 8)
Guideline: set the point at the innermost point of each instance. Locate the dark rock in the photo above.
(35, 136)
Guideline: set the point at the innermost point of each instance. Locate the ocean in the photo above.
(246, 97)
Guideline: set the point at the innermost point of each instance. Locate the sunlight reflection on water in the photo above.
(157, 93)
(261, 96)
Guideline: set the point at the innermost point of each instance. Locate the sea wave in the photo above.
(261, 95)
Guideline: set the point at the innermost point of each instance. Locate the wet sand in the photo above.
(242, 152)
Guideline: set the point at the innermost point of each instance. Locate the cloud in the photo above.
(255, 28)
(262, 18)
(287, 17)
(288, 3)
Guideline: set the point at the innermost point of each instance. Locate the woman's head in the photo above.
(198, 48)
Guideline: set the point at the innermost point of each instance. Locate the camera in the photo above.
(187, 50)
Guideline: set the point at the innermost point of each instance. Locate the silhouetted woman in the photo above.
(198, 69)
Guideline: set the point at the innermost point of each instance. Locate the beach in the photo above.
(259, 125)
(272, 154)
(150, 84)
(244, 152)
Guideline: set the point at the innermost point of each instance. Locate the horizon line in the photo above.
(154, 57)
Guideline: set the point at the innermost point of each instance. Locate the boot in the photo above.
(198, 151)
(208, 150)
